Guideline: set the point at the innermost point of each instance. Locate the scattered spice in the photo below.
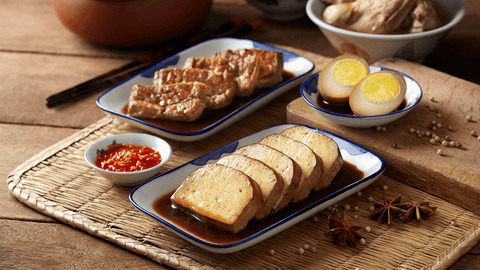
(419, 211)
(343, 233)
(389, 210)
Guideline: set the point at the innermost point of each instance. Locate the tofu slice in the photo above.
(301, 154)
(219, 195)
(287, 171)
(324, 147)
(259, 172)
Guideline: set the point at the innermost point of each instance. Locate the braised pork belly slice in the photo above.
(244, 69)
(179, 101)
(221, 86)
(270, 63)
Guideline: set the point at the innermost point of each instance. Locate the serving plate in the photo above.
(145, 196)
(114, 99)
(310, 93)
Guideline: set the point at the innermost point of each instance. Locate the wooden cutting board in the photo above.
(454, 176)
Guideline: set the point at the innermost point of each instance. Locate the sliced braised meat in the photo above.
(221, 86)
(179, 101)
(244, 69)
(270, 63)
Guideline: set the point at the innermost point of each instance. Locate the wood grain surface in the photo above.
(39, 57)
(453, 176)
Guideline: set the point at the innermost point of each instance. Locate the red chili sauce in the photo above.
(128, 158)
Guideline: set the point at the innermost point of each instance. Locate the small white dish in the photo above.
(144, 196)
(129, 178)
(114, 99)
(310, 94)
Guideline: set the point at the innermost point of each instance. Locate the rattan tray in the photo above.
(57, 182)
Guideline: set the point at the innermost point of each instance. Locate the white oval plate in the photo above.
(115, 98)
(146, 194)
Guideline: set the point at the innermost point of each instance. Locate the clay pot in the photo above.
(129, 23)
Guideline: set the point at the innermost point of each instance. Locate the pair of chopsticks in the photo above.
(232, 28)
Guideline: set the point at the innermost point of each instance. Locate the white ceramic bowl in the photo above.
(310, 94)
(280, 10)
(129, 178)
(374, 47)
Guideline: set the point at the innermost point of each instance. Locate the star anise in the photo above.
(389, 210)
(343, 233)
(419, 211)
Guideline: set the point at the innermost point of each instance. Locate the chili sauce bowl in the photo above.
(311, 95)
(133, 178)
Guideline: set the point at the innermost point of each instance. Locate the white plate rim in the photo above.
(300, 66)
(348, 148)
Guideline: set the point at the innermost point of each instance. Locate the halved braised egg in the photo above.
(337, 79)
(378, 93)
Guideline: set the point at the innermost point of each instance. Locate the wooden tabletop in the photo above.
(39, 57)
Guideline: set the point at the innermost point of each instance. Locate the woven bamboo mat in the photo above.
(57, 182)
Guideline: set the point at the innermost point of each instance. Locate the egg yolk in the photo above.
(380, 88)
(349, 72)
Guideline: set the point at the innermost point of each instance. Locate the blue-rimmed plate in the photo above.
(114, 100)
(310, 94)
(149, 196)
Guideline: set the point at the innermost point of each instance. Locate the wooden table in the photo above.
(39, 57)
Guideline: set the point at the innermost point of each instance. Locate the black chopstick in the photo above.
(112, 77)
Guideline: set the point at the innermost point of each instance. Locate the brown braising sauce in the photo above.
(345, 109)
(347, 175)
(210, 117)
